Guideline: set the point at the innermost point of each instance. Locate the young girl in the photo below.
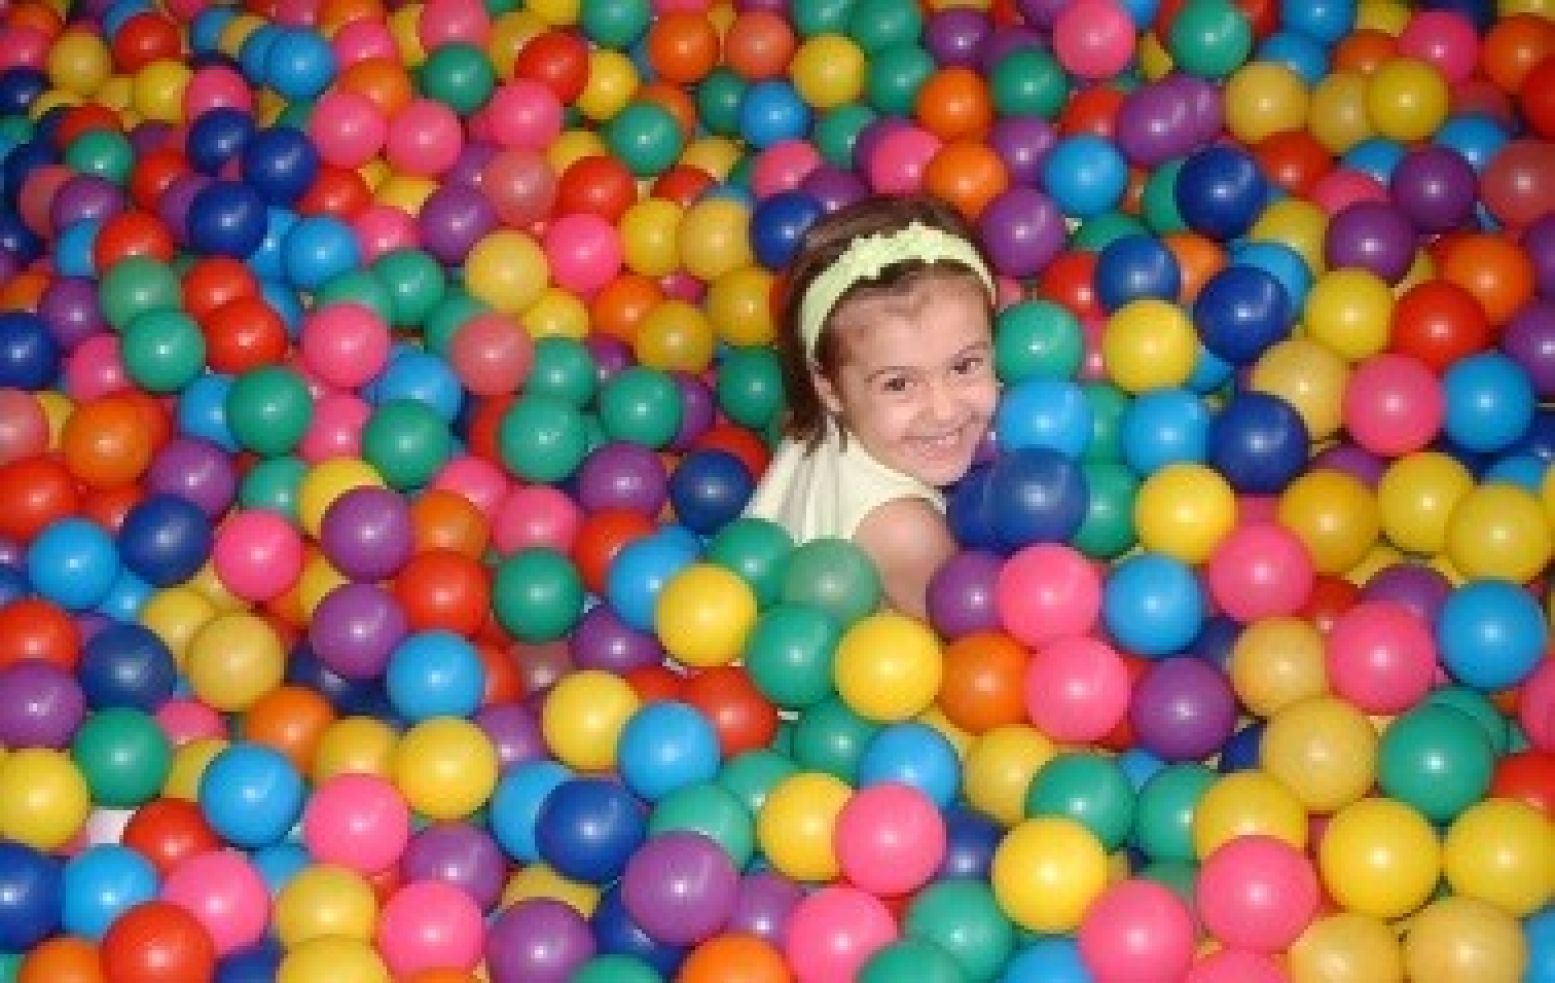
(887, 345)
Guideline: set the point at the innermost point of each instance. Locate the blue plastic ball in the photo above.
(217, 136)
(1301, 53)
(1036, 495)
(1132, 267)
(1241, 312)
(1258, 442)
(1153, 604)
(20, 87)
(1324, 20)
(280, 163)
(1279, 261)
(1241, 752)
(515, 806)
(202, 411)
(73, 563)
(1049, 959)
(318, 248)
(642, 568)
(967, 511)
(1047, 413)
(1164, 426)
(915, 755)
(617, 933)
(226, 218)
(772, 112)
(101, 883)
(1085, 176)
(299, 64)
(1490, 402)
(1490, 634)
(1220, 192)
(971, 840)
(165, 539)
(664, 747)
(259, 963)
(778, 226)
(709, 489)
(251, 795)
(588, 828)
(278, 863)
(73, 249)
(31, 896)
(435, 674)
(29, 355)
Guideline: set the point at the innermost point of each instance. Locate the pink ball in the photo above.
(449, 21)
(1258, 893)
(520, 184)
(382, 229)
(216, 87)
(524, 113)
(1536, 706)
(1137, 932)
(23, 47)
(1237, 966)
(584, 252)
(1094, 38)
(185, 720)
(24, 429)
(833, 932)
(225, 894)
(897, 165)
(782, 166)
(536, 515)
(1342, 187)
(1381, 657)
(95, 369)
(1046, 592)
(430, 925)
(358, 821)
(1393, 405)
(1443, 39)
(257, 555)
(491, 354)
(425, 138)
(680, 285)
(481, 482)
(890, 839)
(345, 345)
(1260, 570)
(361, 40)
(336, 428)
(1077, 689)
(347, 128)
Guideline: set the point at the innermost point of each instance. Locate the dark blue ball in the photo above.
(709, 490)
(165, 539)
(971, 839)
(1135, 266)
(1220, 192)
(588, 828)
(217, 136)
(32, 895)
(280, 163)
(256, 964)
(20, 88)
(1242, 751)
(18, 240)
(1036, 495)
(350, 697)
(126, 665)
(616, 933)
(967, 513)
(227, 218)
(1258, 442)
(778, 225)
(1241, 312)
(29, 355)
(13, 585)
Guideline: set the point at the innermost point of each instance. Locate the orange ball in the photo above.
(968, 174)
(446, 520)
(1513, 47)
(953, 104)
(1198, 258)
(62, 959)
(759, 45)
(290, 719)
(1364, 51)
(105, 442)
(620, 305)
(734, 958)
(382, 80)
(682, 47)
(1494, 270)
(984, 681)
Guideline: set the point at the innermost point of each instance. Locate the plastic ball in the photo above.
(833, 932)
(665, 747)
(1076, 689)
(1324, 750)
(34, 892)
(1137, 928)
(887, 667)
(226, 894)
(680, 887)
(1489, 635)
(445, 768)
(157, 941)
(429, 925)
(1457, 938)
(1035, 495)
(356, 821)
(1153, 604)
(1497, 851)
(796, 825)
(1047, 873)
(1149, 344)
(1379, 858)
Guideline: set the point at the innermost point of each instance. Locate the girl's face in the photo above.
(915, 384)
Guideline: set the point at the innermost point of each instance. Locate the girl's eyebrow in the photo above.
(976, 346)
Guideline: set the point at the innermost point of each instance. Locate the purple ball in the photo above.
(1023, 231)
(1206, 107)
(1371, 235)
(173, 209)
(1529, 339)
(69, 307)
(453, 220)
(955, 37)
(1005, 41)
(961, 594)
(1539, 246)
(457, 854)
(538, 941)
(197, 470)
(85, 197)
(698, 410)
(472, 160)
(602, 640)
(367, 534)
(832, 187)
(680, 887)
(149, 136)
(1435, 188)
(622, 475)
(1022, 143)
(1041, 14)
(610, 355)
(1418, 588)
(762, 903)
(770, 6)
(1354, 461)
(1183, 709)
(355, 629)
(12, 554)
(1155, 124)
(41, 705)
(514, 731)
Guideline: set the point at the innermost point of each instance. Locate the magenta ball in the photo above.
(366, 533)
(1258, 893)
(1137, 930)
(225, 894)
(358, 821)
(1046, 592)
(833, 932)
(429, 925)
(1077, 689)
(1393, 405)
(1381, 657)
(584, 251)
(890, 839)
(1260, 570)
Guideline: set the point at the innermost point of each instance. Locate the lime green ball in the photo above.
(642, 406)
(407, 442)
(459, 76)
(123, 755)
(541, 438)
(269, 409)
(1037, 338)
(537, 595)
(135, 285)
(163, 351)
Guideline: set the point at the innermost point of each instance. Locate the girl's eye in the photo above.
(970, 365)
(895, 384)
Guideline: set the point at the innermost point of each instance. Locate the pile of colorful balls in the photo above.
(381, 386)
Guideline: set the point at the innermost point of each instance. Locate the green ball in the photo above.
(357, 287)
(415, 282)
(879, 24)
(1107, 531)
(789, 655)
(895, 76)
(831, 738)
(273, 484)
(718, 98)
(563, 369)
(123, 755)
(712, 810)
(1098, 231)
(135, 285)
(642, 406)
(751, 775)
(1108, 404)
(269, 409)
(837, 130)
(835, 576)
(750, 386)
(645, 137)
(911, 961)
(1158, 201)
(102, 153)
(1179, 876)
(614, 23)
(451, 313)
(1029, 82)
(537, 595)
(757, 550)
(1436, 759)
(1211, 38)
(962, 917)
(406, 442)
(1090, 789)
(459, 76)
(1479, 709)
(616, 968)
(1037, 338)
(163, 351)
(542, 439)
(1163, 811)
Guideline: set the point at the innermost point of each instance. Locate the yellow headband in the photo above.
(868, 256)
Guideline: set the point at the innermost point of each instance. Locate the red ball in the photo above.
(37, 629)
(1528, 776)
(441, 589)
(34, 492)
(1536, 98)
(1070, 280)
(1439, 323)
(213, 281)
(143, 39)
(166, 831)
(740, 715)
(132, 233)
(558, 60)
(153, 173)
(158, 942)
(601, 536)
(242, 334)
(599, 185)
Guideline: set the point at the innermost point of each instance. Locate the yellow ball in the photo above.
(1184, 510)
(583, 716)
(1308, 376)
(406, 192)
(509, 33)
(57, 408)
(1379, 857)
(1386, 16)
(739, 305)
(557, 314)
(1154, 60)
(327, 481)
(1248, 803)
(999, 767)
(1416, 497)
(404, 25)
(1377, 559)
(1263, 98)
(236, 33)
(175, 616)
(1334, 514)
(797, 824)
(1502, 851)
(445, 768)
(1297, 223)
(557, 13)
(539, 881)
(1407, 99)
(715, 155)
(507, 270)
(354, 745)
(46, 800)
(334, 958)
(704, 614)
(675, 336)
(572, 146)
(650, 237)
(828, 70)
(1149, 344)
(214, 590)
(234, 660)
(714, 238)
(1337, 115)
(1323, 750)
(1350, 310)
(611, 84)
(1046, 872)
(117, 92)
(79, 62)
(322, 901)
(1346, 948)
(189, 763)
(888, 667)
(1277, 662)
(1499, 531)
(157, 90)
(1465, 940)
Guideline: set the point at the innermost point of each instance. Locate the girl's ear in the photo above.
(825, 390)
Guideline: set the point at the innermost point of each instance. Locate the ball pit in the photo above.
(381, 386)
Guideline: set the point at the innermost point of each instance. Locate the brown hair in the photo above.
(824, 242)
